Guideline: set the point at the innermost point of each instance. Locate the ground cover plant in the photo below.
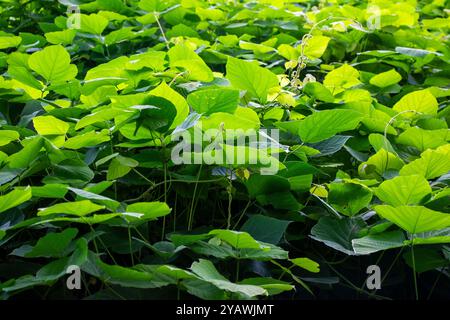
(92, 94)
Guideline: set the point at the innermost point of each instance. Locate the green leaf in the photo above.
(52, 245)
(432, 237)
(7, 136)
(53, 63)
(237, 239)
(380, 163)
(70, 171)
(426, 259)
(49, 125)
(213, 100)
(99, 116)
(64, 37)
(251, 77)
(338, 234)
(155, 114)
(14, 198)
(378, 242)
(386, 79)
(242, 118)
(118, 275)
(77, 208)
(9, 41)
(318, 91)
(27, 155)
(404, 190)
(422, 102)
(53, 270)
(266, 229)
(205, 270)
(52, 190)
(83, 194)
(182, 56)
(414, 219)
(322, 125)
(80, 254)
(378, 141)
(431, 164)
(306, 264)
(424, 139)
(90, 139)
(273, 286)
(120, 166)
(93, 23)
(341, 78)
(166, 92)
(349, 198)
(315, 46)
(148, 210)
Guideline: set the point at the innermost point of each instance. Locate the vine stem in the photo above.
(129, 245)
(191, 211)
(165, 190)
(156, 14)
(230, 200)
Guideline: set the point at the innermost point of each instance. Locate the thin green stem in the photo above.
(191, 211)
(130, 246)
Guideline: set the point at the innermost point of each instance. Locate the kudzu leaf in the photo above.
(251, 77)
(414, 219)
(83, 194)
(8, 40)
(182, 56)
(14, 198)
(349, 198)
(425, 259)
(49, 125)
(209, 101)
(306, 264)
(52, 190)
(424, 139)
(90, 139)
(27, 155)
(120, 166)
(273, 286)
(206, 271)
(380, 163)
(7, 136)
(431, 164)
(386, 79)
(64, 37)
(341, 78)
(266, 229)
(322, 125)
(54, 244)
(404, 190)
(378, 242)
(93, 23)
(148, 210)
(77, 208)
(237, 239)
(182, 107)
(338, 233)
(242, 119)
(315, 46)
(318, 91)
(53, 63)
(421, 101)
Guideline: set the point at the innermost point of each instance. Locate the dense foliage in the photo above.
(91, 93)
